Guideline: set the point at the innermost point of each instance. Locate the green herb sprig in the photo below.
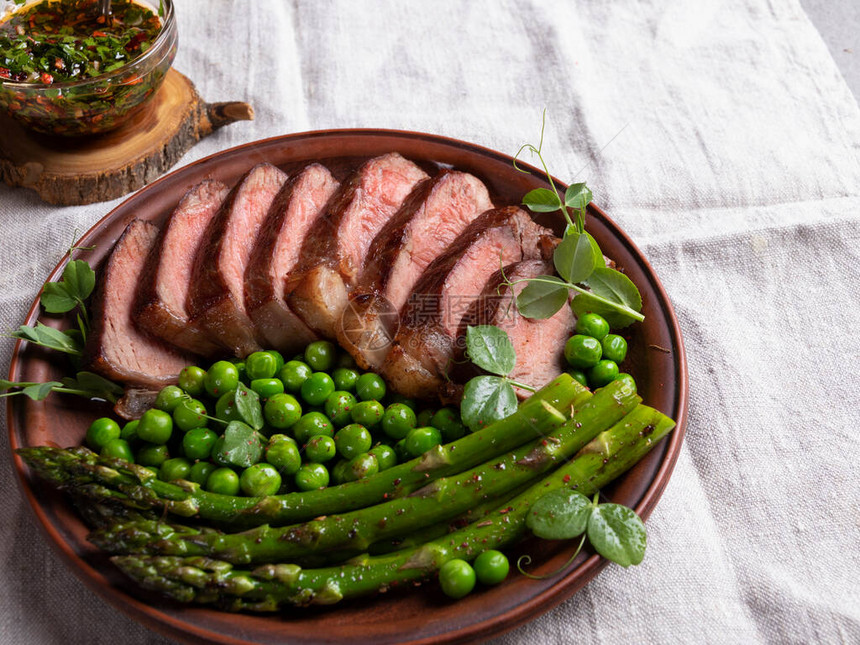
(491, 397)
(86, 384)
(615, 531)
(578, 260)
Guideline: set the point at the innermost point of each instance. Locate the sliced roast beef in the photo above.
(433, 215)
(336, 247)
(295, 209)
(216, 300)
(116, 348)
(424, 346)
(538, 344)
(166, 279)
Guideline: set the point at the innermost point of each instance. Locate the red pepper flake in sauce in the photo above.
(566, 479)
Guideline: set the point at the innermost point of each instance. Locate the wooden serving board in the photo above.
(85, 170)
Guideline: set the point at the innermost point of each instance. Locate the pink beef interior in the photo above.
(385, 183)
(466, 281)
(249, 210)
(448, 210)
(124, 346)
(313, 189)
(181, 241)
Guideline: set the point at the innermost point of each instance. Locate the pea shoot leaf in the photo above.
(241, 445)
(487, 399)
(617, 533)
(559, 515)
(490, 348)
(542, 200)
(615, 287)
(56, 299)
(577, 196)
(79, 279)
(585, 303)
(49, 337)
(95, 386)
(574, 258)
(542, 299)
(40, 391)
(247, 403)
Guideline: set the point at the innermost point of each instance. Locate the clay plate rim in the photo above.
(175, 621)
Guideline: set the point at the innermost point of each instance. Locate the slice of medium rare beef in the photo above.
(538, 344)
(116, 348)
(166, 279)
(335, 248)
(433, 215)
(300, 202)
(216, 300)
(425, 345)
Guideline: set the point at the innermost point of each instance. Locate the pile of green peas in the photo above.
(326, 422)
(594, 354)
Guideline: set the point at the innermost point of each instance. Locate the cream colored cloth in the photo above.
(720, 135)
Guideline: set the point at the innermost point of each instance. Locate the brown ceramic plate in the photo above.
(656, 360)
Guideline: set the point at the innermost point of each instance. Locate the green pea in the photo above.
(169, 397)
(338, 408)
(338, 473)
(200, 472)
(368, 413)
(222, 377)
(101, 432)
(152, 455)
(260, 480)
(457, 578)
(582, 351)
(361, 466)
(385, 456)
(283, 453)
(189, 415)
(198, 443)
(261, 365)
(267, 387)
(345, 378)
(118, 449)
(578, 376)
(624, 376)
(420, 440)
(191, 380)
(398, 420)
(311, 424)
(173, 469)
(155, 426)
(614, 348)
(369, 387)
(400, 451)
(592, 325)
(321, 355)
(396, 397)
(317, 388)
(282, 411)
(447, 421)
(603, 373)
(293, 374)
(345, 360)
(311, 476)
(242, 372)
(352, 440)
(320, 449)
(491, 567)
(425, 417)
(223, 481)
(129, 430)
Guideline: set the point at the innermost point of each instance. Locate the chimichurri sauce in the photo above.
(63, 40)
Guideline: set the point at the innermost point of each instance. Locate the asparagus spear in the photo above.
(438, 501)
(271, 586)
(73, 467)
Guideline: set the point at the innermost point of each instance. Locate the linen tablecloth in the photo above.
(720, 135)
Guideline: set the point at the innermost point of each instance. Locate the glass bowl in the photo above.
(99, 104)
